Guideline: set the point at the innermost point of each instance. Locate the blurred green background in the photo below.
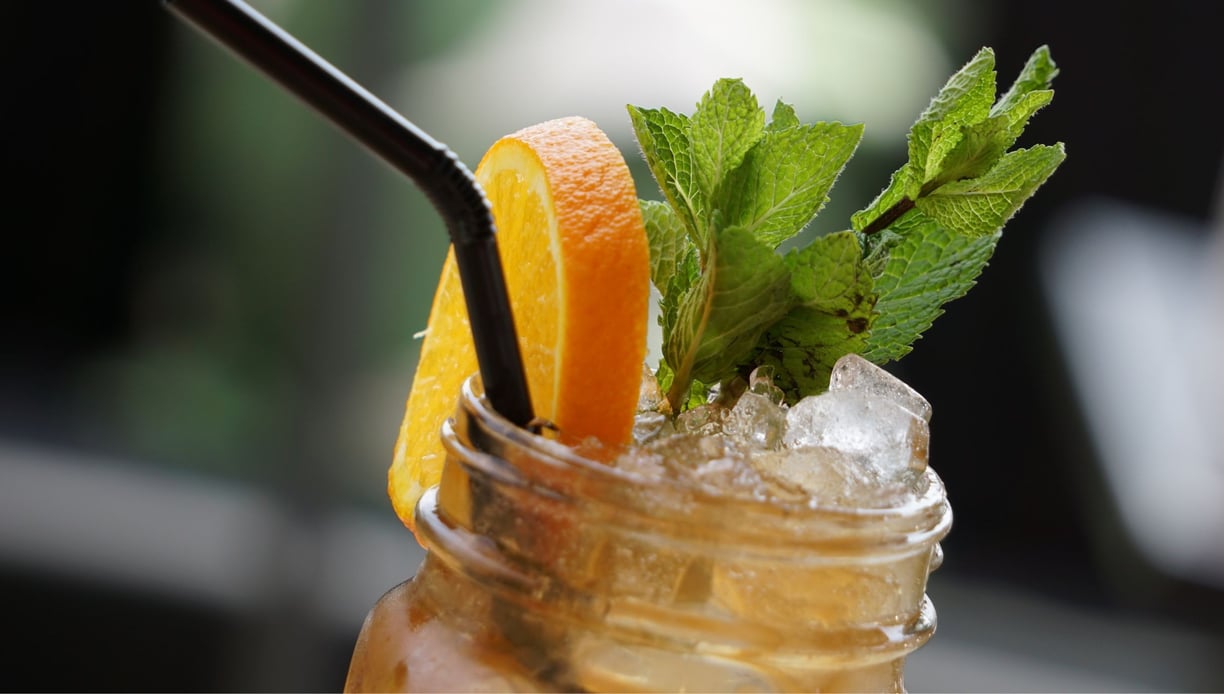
(212, 295)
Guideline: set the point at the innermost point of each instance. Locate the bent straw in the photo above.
(435, 169)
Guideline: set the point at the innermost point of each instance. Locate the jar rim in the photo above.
(551, 467)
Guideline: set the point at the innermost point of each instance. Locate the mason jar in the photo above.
(547, 570)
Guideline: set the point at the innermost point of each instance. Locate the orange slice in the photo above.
(577, 267)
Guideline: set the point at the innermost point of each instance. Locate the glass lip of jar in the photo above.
(923, 518)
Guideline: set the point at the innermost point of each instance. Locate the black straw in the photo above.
(430, 164)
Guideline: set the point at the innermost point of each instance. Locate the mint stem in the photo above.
(682, 380)
(677, 393)
(890, 215)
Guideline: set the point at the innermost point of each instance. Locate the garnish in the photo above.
(737, 186)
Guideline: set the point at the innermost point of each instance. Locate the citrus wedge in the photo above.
(576, 260)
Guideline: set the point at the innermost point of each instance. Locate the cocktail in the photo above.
(756, 512)
(694, 562)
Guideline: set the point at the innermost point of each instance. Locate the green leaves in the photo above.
(785, 179)
(725, 126)
(1031, 90)
(663, 136)
(928, 266)
(670, 248)
(958, 189)
(738, 186)
(744, 289)
(981, 206)
(835, 305)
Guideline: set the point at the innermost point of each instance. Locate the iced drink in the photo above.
(745, 546)
(772, 523)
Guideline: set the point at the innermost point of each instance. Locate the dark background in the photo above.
(1133, 106)
(89, 207)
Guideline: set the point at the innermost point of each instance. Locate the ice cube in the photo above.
(878, 432)
(650, 398)
(826, 475)
(706, 420)
(799, 595)
(855, 373)
(648, 426)
(760, 381)
(822, 476)
(730, 474)
(756, 421)
(713, 463)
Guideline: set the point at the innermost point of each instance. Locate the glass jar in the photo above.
(549, 571)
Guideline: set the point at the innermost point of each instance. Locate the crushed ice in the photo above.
(863, 442)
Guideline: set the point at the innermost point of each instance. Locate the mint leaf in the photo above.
(669, 244)
(663, 137)
(835, 303)
(742, 290)
(978, 146)
(981, 206)
(829, 275)
(785, 179)
(965, 99)
(928, 266)
(802, 348)
(679, 285)
(783, 117)
(726, 124)
(1031, 90)
(674, 264)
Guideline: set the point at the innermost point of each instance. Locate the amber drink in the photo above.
(751, 547)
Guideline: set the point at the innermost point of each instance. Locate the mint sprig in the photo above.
(737, 186)
(735, 191)
(934, 229)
